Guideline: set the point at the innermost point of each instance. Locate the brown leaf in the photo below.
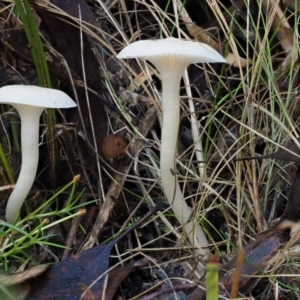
(292, 210)
(291, 214)
(115, 278)
(291, 153)
(257, 256)
(292, 4)
(70, 278)
(80, 276)
(7, 280)
(237, 61)
(16, 286)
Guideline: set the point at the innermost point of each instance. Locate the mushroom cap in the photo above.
(35, 96)
(195, 52)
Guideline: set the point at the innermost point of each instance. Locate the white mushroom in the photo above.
(171, 56)
(30, 102)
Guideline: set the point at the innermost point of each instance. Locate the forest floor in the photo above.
(99, 174)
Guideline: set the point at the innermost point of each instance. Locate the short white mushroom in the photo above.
(30, 102)
(171, 56)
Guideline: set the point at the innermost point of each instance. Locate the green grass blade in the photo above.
(212, 277)
(34, 41)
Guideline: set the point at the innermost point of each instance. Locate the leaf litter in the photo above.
(61, 30)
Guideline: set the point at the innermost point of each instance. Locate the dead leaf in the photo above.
(257, 256)
(7, 280)
(73, 276)
(115, 278)
(80, 276)
(291, 153)
(16, 286)
(236, 62)
(292, 210)
(139, 80)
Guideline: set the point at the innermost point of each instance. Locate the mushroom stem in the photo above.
(30, 117)
(171, 113)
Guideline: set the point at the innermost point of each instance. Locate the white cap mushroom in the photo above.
(171, 56)
(30, 102)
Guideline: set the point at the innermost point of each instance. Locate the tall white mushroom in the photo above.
(30, 102)
(171, 56)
